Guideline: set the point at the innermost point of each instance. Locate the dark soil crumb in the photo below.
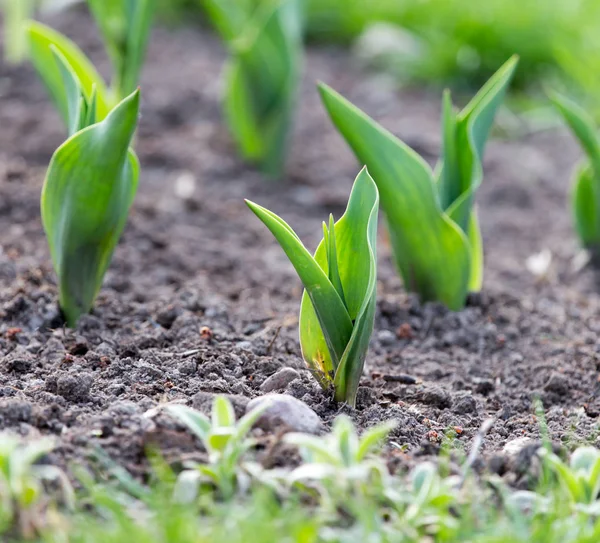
(200, 299)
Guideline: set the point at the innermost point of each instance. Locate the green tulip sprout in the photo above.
(125, 26)
(431, 217)
(89, 187)
(338, 304)
(585, 194)
(265, 43)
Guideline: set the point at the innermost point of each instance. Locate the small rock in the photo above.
(167, 316)
(279, 380)
(286, 412)
(484, 386)
(514, 447)
(558, 383)
(187, 367)
(244, 345)
(14, 411)
(437, 397)
(75, 388)
(464, 404)
(386, 337)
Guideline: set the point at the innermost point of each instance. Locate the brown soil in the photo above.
(206, 261)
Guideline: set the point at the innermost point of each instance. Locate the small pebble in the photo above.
(279, 380)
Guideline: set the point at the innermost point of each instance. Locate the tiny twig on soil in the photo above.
(271, 343)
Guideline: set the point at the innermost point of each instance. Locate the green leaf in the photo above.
(74, 98)
(432, 253)
(585, 201)
(332, 259)
(89, 188)
(473, 126)
(262, 79)
(331, 313)
(41, 38)
(196, 422)
(125, 26)
(356, 237)
(373, 437)
(435, 238)
(582, 126)
(229, 16)
(223, 415)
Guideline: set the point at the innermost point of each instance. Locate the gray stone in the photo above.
(279, 380)
(284, 412)
(75, 388)
(386, 337)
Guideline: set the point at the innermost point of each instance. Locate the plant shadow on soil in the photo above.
(193, 256)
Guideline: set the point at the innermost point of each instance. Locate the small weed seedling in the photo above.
(433, 225)
(580, 478)
(266, 47)
(125, 26)
(23, 498)
(226, 442)
(340, 466)
(585, 194)
(338, 305)
(89, 188)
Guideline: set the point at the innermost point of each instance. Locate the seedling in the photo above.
(338, 304)
(125, 26)
(266, 49)
(89, 188)
(580, 478)
(226, 442)
(22, 495)
(431, 217)
(585, 193)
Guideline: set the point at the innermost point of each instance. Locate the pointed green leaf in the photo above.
(332, 259)
(585, 200)
(473, 126)
(373, 437)
(89, 188)
(196, 422)
(74, 98)
(582, 126)
(223, 415)
(431, 251)
(476, 244)
(41, 37)
(331, 315)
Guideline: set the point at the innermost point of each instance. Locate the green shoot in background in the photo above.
(89, 188)
(16, 12)
(431, 217)
(265, 43)
(125, 26)
(585, 193)
(338, 304)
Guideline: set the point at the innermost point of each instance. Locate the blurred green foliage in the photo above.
(462, 42)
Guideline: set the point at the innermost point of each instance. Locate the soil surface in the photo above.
(200, 299)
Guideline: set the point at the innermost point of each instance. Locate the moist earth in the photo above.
(201, 300)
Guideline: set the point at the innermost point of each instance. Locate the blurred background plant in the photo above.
(460, 42)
